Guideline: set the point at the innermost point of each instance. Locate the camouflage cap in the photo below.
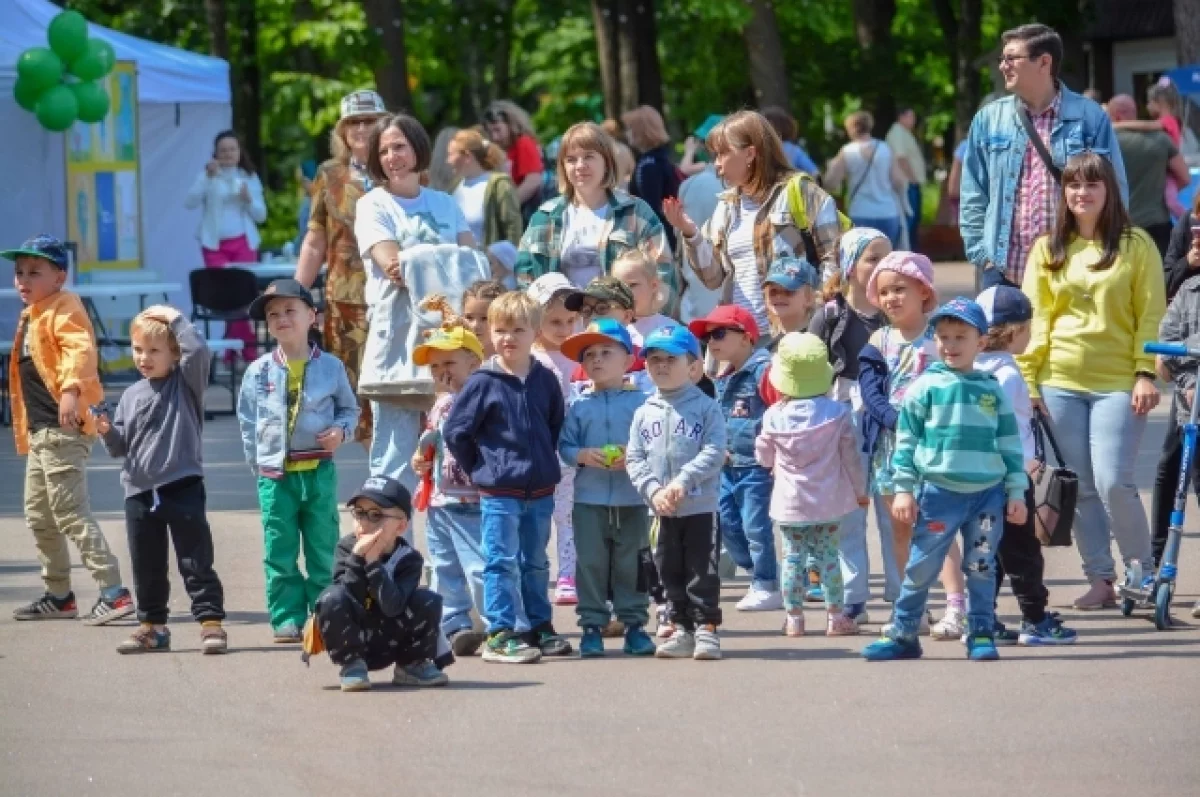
(602, 289)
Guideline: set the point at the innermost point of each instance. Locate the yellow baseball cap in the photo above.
(451, 339)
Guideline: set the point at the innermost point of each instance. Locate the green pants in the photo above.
(607, 542)
(298, 510)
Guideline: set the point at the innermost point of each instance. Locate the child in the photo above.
(453, 530)
(610, 518)
(809, 441)
(731, 334)
(294, 409)
(1019, 555)
(551, 291)
(54, 378)
(475, 303)
(157, 428)
(845, 322)
(608, 297)
(676, 450)
(375, 612)
(640, 275)
(958, 448)
(789, 290)
(503, 431)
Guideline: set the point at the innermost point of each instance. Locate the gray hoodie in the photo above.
(678, 435)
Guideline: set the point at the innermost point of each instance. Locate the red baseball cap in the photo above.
(727, 315)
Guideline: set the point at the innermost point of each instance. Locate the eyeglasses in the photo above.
(1009, 60)
(719, 333)
(372, 516)
(595, 308)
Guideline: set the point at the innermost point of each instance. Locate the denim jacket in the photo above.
(992, 167)
(326, 400)
(743, 407)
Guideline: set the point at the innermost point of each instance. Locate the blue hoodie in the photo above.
(595, 420)
(743, 407)
(504, 431)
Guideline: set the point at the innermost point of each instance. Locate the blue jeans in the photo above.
(852, 544)
(454, 536)
(393, 442)
(914, 221)
(516, 572)
(942, 514)
(746, 527)
(889, 227)
(1099, 435)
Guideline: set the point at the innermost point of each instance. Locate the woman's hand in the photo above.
(212, 168)
(689, 147)
(673, 210)
(244, 192)
(392, 269)
(1145, 396)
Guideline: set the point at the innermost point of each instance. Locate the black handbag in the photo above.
(1056, 490)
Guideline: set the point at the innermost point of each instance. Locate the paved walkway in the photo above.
(1114, 715)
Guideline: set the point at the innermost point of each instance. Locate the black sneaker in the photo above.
(547, 640)
(48, 607)
(105, 611)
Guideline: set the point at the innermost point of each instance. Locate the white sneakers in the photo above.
(952, 625)
(758, 600)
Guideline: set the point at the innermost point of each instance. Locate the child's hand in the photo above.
(364, 544)
(661, 503)
(592, 458)
(1190, 394)
(420, 465)
(618, 463)
(102, 424)
(68, 406)
(1017, 511)
(904, 508)
(331, 438)
(864, 501)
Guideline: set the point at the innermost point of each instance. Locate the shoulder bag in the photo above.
(1038, 145)
(1056, 490)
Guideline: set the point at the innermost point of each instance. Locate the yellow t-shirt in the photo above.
(295, 387)
(1089, 327)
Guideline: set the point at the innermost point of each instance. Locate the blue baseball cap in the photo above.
(673, 339)
(792, 274)
(963, 310)
(1005, 304)
(602, 330)
(44, 246)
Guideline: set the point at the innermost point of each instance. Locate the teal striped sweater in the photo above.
(957, 431)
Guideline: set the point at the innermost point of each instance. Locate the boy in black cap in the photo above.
(295, 408)
(375, 613)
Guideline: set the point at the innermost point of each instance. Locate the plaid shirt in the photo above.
(1036, 201)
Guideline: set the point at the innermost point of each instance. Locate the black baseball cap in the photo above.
(280, 289)
(386, 492)
(44, 246)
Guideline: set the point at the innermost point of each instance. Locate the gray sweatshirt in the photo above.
(157, 424)
(678, 436)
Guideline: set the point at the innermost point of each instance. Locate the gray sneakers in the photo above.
(708, 644)
(681, 645)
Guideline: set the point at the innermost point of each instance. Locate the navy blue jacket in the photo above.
(654, 179)
(504, 432)
(878, 413)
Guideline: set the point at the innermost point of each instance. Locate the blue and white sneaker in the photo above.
(981, 647)
(1050, 631)
(857, 612)
(423, 674)
(354, 676)
(1002, 635)
(888, 649)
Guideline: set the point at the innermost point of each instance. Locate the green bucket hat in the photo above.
(800, 367)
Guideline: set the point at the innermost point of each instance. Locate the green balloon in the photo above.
(25, 96)
(96, 62)
(92, 100)
(68, 35)
(57, 109)
(40, 69)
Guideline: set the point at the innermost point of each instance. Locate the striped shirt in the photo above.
(747, 282)
(1036, 202)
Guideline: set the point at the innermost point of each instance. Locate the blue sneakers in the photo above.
(592, 644)
(355, 677)
(981, 647)
(888, 649)
(1003, 635)
(1050, 631)
(638, 642)
(857, 612)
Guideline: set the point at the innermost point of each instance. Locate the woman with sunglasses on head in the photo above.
(485, 194)
(509, 126)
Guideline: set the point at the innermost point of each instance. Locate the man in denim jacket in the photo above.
(1009, 198)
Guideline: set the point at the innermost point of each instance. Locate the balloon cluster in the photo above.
(63, 83)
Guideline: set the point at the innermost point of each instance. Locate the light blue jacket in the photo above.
(992, 167)
(594, 420)
(326, 401)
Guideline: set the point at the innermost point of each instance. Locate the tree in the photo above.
(961, 32)
(626, 34)
(873, 29)
(214, 12)
(1187, 30)
(391, 70)
(768, 69)
(247, 95)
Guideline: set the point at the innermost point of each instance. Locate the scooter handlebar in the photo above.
(1168, 349)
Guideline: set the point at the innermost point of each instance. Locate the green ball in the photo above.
(68, 35)
(96, 62)
(92, 100)
(57, 109)
(25, 96)
(39, 69)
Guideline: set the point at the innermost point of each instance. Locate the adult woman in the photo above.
(396, 210)
(654, 177)
(231, 196)
(441, 173)
(339, 183)
(625, 160)
(486, 197)
(1096, 285)
(592, 222)
(753, 224)
(874, 178)
(509, 126)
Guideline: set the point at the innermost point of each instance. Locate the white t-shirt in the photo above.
(469, 196)
(581, 258)
(870, 180)
(642, 327)
(431, 217)
(231, 219)
(747, 283)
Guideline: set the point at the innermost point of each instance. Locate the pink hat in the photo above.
(909, 264)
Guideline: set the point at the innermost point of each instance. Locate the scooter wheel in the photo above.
(1127, 605)
(1162, 607)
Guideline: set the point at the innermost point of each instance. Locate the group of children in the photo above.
(646, 449)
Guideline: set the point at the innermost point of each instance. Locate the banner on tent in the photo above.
(104, 217)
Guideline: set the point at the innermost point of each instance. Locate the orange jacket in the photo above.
(63, 347)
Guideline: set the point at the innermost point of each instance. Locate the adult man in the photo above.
(1009, 193)
(907, 150)
(1149, 156)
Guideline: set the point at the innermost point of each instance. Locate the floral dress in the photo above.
(906, 360)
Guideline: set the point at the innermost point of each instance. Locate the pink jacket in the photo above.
(812, 447)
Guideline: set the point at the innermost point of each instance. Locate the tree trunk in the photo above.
(650, 90)
(218, 37)
(961, 32)
(247, 110)
(768, 69)
(604, 16)
(627, 52)
(386, 17)
(873, 29)
(1187, 30)
(502, 54)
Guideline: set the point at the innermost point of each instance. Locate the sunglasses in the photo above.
(719, 333)
(372, 516)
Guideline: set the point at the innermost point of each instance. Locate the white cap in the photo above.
(546, 287)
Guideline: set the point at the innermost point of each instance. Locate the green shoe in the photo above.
(592, 644)
(507, 647)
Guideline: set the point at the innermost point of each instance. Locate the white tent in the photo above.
(183, 102)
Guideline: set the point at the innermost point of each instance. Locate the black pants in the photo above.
(179, 512)
(686, 556)
(1165, 482)
(1161, 235)
(1020, 558)
(352, 632)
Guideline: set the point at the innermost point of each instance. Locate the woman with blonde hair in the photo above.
(753, 223)
(510, 127)
(874, 178)
(485, 195)
(625, 160)
(655, 177)
(583, 231)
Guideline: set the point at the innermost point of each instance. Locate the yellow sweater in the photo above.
(1089, 326)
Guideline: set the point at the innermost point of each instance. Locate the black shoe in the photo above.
(547, 640)
(48, 607)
